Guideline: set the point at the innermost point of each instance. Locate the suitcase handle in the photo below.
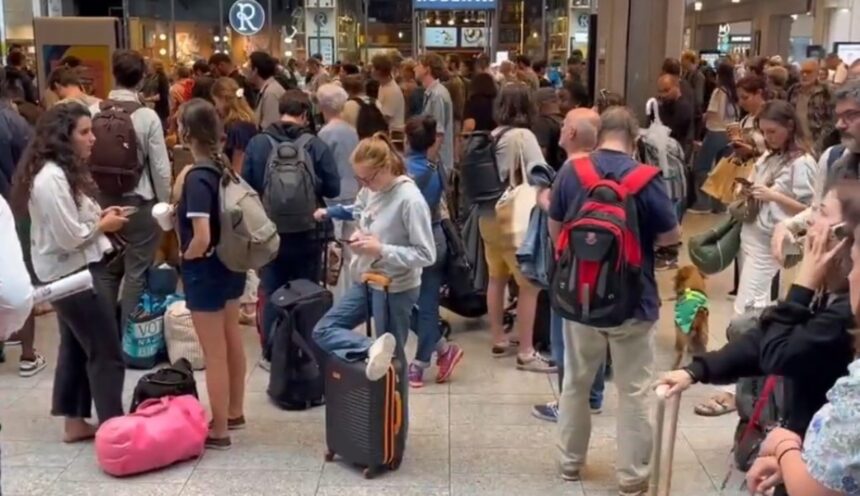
(378, 279)
(660, 484)
(398, 409)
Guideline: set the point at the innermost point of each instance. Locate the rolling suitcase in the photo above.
(665, 431)
(296, 378)
(366, 422)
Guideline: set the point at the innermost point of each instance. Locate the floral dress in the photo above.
(832, 443)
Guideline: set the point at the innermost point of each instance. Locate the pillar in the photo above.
(633, 39)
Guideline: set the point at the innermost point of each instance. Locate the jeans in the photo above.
(299, 257)
(595, 398)
(128, 270)
(425, 317)
(632, 348)
(90, 368)
(334, 332)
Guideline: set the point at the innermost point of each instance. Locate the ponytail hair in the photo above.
(202, 130)
(379, 153)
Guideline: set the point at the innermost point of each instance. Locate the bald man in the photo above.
(579, 132)
(675, 112)
(814, 105)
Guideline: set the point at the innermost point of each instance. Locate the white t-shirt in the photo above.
(393, 105)
(796, 178)
(720, 111)
(16, 291)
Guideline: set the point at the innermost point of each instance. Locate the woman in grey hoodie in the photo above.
(394, 238)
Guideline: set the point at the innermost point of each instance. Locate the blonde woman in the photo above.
(394, 237)
(240, 125)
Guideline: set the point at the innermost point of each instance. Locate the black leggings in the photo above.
(90, 368)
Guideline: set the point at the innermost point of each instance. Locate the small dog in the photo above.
(691, 313)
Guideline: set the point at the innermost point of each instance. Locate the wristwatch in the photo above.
(692, 375)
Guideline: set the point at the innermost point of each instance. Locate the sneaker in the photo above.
(596, 409)
(29, 368)
(570, 474)
(218, 443)
(236, 424)
(13, 342)
(634, 490)
(506, 349)
(416, 376)
(447, 362)
(536, 363)
(546, 411)
(662, 264)
(379, 357)
(265, 365)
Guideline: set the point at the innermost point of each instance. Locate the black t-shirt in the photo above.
(480, 108)
(547, 129)
(199, 199)
(239, 134)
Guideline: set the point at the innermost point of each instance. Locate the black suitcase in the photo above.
(296, 379)
(366, 422)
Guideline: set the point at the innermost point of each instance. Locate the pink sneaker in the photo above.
(447, 362)
(416, 376)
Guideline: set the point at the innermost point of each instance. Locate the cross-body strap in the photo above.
(760, 404)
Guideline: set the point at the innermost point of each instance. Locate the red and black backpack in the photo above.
(598, 253)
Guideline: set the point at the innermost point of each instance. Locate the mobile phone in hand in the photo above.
(128, 211)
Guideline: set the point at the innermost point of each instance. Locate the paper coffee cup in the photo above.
(163, 214)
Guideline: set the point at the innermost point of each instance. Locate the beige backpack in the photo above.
(249, 240)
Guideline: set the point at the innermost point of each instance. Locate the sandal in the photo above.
(716, 406)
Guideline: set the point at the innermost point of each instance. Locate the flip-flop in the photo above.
(714, 407)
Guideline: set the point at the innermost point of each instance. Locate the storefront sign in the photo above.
(454, 4)
(247, 17)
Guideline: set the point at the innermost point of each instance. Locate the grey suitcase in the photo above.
(665, 432)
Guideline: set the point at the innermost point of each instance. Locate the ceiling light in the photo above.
(451, 21)
(162, 52)
(162, 37)
(736, 1)
(217, 39)
(534, 34)
(793, 17)
(697, 6)
(400, 34)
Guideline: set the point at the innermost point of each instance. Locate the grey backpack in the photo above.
(290, 191)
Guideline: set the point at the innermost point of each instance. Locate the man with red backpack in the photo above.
(607, 213)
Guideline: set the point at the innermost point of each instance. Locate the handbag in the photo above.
(721, 184)
(514, 208)
(714, 250)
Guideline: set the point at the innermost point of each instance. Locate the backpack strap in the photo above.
(760, 404)
(586, 172)
(635, 180)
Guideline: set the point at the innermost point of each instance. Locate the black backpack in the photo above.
(479, 169)
(370, 119)
(173, 380)
(296, 379)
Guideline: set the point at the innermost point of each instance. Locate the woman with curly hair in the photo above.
(53, 185)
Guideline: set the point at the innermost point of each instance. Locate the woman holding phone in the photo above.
(53, 185)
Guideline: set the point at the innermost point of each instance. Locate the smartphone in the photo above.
(744, 182)
(128, 211)
(839, 232)
(346, 241)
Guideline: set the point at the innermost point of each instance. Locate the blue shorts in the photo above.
(209, 285)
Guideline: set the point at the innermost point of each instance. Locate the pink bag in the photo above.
(160, 433)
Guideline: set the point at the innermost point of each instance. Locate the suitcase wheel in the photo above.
(329, 456)
(369, 473)
(395, 464)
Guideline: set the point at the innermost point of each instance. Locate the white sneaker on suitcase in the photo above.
(379, 356)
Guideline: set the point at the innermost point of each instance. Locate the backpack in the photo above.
(596, 282)
(835, 154)
(114, 163)
(479, 169)
(290, 186)
(248, 240)
(174, 380)
(370, 119)
(658, 148)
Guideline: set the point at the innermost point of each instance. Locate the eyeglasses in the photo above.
(365, 181)
(848, 117)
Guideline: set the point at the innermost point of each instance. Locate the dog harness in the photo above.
(686, 308)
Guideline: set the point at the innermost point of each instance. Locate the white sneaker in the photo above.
(379, 356)
(265, 365)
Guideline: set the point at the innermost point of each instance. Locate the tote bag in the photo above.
(514, 208)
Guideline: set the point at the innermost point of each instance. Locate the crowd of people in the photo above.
(382, 144)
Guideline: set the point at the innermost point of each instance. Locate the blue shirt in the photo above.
(427, 178)
(656, 216)
(239, 134)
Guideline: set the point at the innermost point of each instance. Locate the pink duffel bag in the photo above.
(160, 433)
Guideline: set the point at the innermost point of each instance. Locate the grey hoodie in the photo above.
(400, 218)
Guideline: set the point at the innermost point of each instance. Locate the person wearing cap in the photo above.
(547, 127)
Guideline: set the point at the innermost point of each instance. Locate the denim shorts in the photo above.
(209, 285)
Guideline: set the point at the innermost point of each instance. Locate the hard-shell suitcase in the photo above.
(665, 431)
(296, 378)
(366, 422)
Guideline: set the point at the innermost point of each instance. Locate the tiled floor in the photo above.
(474, 436)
